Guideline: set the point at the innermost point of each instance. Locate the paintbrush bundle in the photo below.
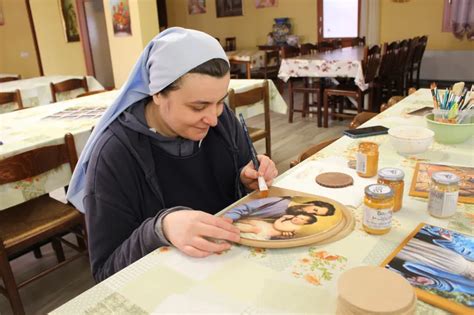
(454, 105)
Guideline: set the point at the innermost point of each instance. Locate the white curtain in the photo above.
(462, 18)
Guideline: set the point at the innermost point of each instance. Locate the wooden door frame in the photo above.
(320, 22)
(84, 31)
(35, 38)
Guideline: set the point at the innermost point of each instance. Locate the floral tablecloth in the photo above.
(345, 62)
(31, 128)
(37, 91)
(247, 280)
(256, 58)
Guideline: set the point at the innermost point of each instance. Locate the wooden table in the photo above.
(299, 280)
(37, 91)
(251, 58)
(344, 62)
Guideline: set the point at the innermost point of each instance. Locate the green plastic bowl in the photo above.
(450, 133)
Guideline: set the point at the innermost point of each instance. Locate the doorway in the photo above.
(91, 16)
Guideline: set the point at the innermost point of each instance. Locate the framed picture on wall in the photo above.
(266, 3)
(196, 6)
(120, 10)
(69, 20)
(226, 8)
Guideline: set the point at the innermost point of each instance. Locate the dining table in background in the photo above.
(247, 280)
(251, 58)
(37, 91)
(39, 126)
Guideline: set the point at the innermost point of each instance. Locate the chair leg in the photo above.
(290, 90)
(268, 146)
(326, 109)
(58, 249)
(37, 252)
(10, 285)
(319, 99)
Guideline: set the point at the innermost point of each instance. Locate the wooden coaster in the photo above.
(334, 180)
(382, 292)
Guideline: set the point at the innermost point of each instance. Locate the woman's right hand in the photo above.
(191, 230)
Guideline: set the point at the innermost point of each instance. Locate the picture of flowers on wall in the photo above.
(266, 3)
(228, 8)
(121, 17)
(196, 6)
(69, 18)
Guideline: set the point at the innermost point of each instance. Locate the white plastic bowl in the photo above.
(410, 139)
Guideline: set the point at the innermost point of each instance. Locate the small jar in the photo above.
(444, 193)
(393, 177)
(378, 205)
(367, 159)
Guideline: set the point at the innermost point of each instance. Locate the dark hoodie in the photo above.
(127, 194)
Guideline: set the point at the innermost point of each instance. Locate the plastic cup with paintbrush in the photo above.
(262, 185)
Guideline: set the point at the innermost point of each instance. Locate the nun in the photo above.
(165, 157)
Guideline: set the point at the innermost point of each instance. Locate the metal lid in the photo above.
(391, 174)
(445, 178)
(379, 191)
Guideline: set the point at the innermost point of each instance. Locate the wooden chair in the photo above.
(371, 65)
(25, 226)
(337, 43)
(91, 93)
(68, 85)
(358, 41)
(361, 118)
(10, 97)
(251, 97)
(306, 89)
(270, 68)
(416, 61)
(230, 44)
(311, 151)
(325, 46)
(308, 49)
(8, 79)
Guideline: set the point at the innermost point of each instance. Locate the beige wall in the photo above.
(17, 51)
(416, 18)
(252, 28)
(125, 51)
(57, 55)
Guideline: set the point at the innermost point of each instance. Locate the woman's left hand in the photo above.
(249, 176)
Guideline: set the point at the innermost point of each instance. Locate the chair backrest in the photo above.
(230, 44)
(272, 62)
(91, 93)
(68, 85)
(389, 55)
(288, 51)
(37, 161)
(411, 52)
(251, 97)
(358, 41)
(325, 46)
(420, 49)
(7, 79)
(372, 63)
(268, 47)
(311, 151)
(308, 49)
(7, 98)
(337, 43)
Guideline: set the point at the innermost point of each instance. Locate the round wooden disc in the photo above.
(334, 180)
(383, 291)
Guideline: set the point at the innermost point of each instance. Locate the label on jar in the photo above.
(377, 219)
(442, 204)
(361, 166)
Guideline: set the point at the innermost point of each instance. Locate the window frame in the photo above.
(320, 24)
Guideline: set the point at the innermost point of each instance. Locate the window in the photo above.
(338, 19)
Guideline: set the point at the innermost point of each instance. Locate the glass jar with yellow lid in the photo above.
(443, 196)
(367, 159)
(393, 177)
(378, 205)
